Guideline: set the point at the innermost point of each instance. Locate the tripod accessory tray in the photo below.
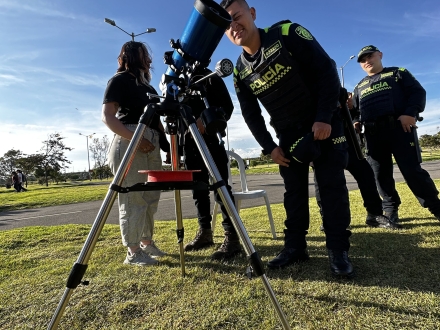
(167, 176)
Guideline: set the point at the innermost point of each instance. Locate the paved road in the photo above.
(85, 213)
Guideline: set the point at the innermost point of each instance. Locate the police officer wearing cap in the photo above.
(387, 102)
(286, 69)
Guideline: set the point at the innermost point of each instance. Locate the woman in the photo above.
(124, 101)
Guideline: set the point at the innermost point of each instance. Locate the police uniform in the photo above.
(378, 101)
(282, 75)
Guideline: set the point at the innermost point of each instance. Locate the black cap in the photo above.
(367, 50)
(305, 149)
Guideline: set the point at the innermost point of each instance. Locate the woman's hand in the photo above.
(146, 146)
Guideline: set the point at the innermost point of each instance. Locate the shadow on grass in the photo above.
(381, 258)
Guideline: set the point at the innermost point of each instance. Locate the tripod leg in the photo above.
(252, 255)
(80, 266)
(175, 162)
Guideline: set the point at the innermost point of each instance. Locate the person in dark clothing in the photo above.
(15, 183)
(287, 70)
(362, 172)
(217, 95)
(387, 102)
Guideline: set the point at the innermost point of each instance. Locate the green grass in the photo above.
(63, 193)
(397, 284)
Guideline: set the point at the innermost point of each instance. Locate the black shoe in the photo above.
(202, 240)
(340, 264)
(381, 221)
(229, 249)
(287, 257)
(393, 216)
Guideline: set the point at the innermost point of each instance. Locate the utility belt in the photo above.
(382, 123)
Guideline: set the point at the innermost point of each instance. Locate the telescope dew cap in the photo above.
(367, 50)
(305, 149)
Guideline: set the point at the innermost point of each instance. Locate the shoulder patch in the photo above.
(303, 33)
(402, 69)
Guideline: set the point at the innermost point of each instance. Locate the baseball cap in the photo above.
(305, 149)
(367, 50)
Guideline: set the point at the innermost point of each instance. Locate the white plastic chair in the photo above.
(245, 193)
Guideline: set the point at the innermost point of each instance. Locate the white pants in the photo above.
(136, 209)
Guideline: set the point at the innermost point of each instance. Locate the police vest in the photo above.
(275, 81)
(376, 94)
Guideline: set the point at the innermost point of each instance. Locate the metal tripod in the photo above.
(171, 108)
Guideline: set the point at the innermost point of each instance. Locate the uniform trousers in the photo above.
(388, 139)
(194, 161)
(329, 171)
(362, 172)
(137, 208)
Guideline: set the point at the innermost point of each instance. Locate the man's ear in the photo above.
(253, 13)
(381, 54)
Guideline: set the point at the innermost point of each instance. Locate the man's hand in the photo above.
(407, 122)
(357, 127)
(277, 156)
(200, 126)
(350, 100)
(167, 158)
(322, 130)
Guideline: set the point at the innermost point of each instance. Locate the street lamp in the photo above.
(88, 158)
(112, 22)
(342, 69)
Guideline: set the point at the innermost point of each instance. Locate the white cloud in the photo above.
(7, 80)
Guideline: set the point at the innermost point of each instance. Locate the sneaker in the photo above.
(152, 250)
(139, 258)
(380, 221)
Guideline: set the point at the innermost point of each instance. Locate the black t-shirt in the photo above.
(132, 98)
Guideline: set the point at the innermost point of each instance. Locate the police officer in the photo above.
(362, 172)
(387, 102)
(280, 66)
(216, 93)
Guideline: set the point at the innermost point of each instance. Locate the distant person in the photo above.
(124, 101)
(387, 102)
(287, 70)
(21, 179)
(15, 182)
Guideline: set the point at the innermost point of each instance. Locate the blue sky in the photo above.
(57, 56)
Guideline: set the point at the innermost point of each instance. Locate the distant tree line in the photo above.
(48, 163)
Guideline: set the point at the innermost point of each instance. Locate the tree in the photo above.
(8, 163)
(99, 149)
(53, 158)
(431, 142)
(266, 158)
(30, 163)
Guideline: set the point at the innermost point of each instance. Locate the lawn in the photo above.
(397, 284)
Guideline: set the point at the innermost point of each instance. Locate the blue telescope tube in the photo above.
(204, 30)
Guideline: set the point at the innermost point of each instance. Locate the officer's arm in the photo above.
(253, 117)
(322, 73)
(414, 92)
